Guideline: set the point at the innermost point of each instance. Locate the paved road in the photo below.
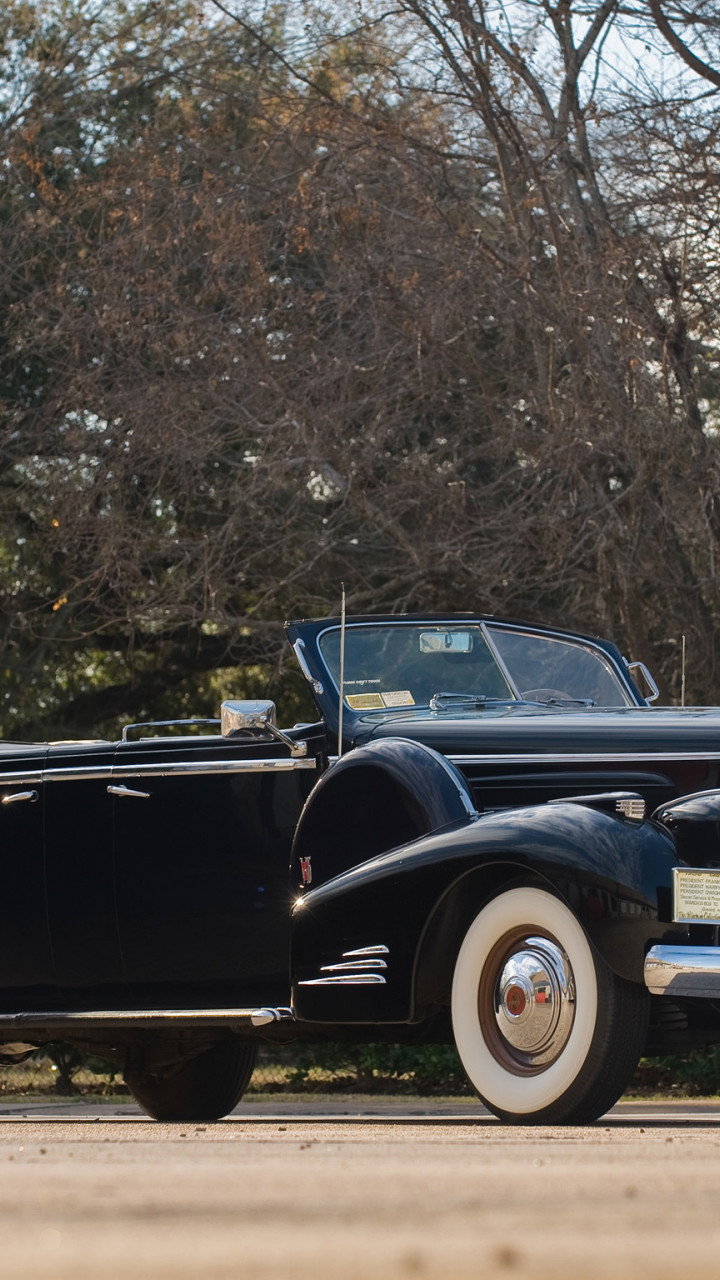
(408, 1193)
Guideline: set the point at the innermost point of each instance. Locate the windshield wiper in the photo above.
(441, 701)
(557, 701)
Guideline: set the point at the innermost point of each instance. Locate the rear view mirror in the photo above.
(446, 641)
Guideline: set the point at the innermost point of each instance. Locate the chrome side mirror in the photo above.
(236, 716)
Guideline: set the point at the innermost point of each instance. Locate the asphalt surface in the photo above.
(347, 1110)
(379, 1192)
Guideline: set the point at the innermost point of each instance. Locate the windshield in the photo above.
(403, 665)
(399, 665)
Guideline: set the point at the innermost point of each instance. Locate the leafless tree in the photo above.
(427, 308)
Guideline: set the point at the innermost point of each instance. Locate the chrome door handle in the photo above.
(125, 791)
(13, 796)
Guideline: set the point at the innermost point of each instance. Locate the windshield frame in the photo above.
(303, 635)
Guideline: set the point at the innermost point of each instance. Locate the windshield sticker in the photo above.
(398, 698)
(364, 701)
(378, 701)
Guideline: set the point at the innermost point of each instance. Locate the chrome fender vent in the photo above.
(355, 968)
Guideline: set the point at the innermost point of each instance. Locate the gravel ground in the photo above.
(346, 1197)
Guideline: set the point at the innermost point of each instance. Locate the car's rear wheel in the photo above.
(546, 1032)
(204, 1087)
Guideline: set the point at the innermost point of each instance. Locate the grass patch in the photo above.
(40, 1079)
(363, 1073)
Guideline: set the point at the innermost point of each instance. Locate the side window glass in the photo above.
(543, 666)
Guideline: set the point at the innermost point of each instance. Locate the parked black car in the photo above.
(490, 836)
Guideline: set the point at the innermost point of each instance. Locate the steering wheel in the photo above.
(546, 695)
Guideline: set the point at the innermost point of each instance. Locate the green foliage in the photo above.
(422, 1069)
(97, 692)
(66, 1060)
(696, 1073)
(425, 1070)
(693, 1073)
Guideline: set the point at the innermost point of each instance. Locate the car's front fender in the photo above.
(378, 942)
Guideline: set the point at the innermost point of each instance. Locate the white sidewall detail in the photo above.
(546, 914)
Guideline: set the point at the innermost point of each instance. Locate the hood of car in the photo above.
(521, 730)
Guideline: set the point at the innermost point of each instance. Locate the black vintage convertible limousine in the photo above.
(490, 836)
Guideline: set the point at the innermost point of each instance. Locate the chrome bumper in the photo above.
(683, 971)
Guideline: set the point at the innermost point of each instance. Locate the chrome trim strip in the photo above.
(338, 980)
(654, 691)
(368, 951)
(77, 774)
(21, 779)
(282, 765)
(166, 724)
(500, 661)
(348, 966)
(683, 971)
(145, 1017)
(299, 651)
(90, 772)
(595, 757)
(465, 800)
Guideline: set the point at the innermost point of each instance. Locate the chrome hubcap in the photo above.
(535, 1002)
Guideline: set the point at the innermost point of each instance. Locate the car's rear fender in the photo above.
(377, 943)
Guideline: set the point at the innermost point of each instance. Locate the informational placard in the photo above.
(696, 895)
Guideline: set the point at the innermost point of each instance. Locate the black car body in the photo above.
(490, 835)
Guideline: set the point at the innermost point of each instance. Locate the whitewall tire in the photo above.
(545, 1031)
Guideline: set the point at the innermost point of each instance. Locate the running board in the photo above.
(243, 1018)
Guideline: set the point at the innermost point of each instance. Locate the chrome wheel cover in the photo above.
(526, 1002)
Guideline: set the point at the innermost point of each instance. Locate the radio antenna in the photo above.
(342, 669)
(682, 678)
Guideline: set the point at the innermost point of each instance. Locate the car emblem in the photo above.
(306, 870)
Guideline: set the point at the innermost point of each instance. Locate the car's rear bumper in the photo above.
(683, 971)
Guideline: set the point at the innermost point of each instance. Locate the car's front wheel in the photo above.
(546, 1032)
(204, 1087)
